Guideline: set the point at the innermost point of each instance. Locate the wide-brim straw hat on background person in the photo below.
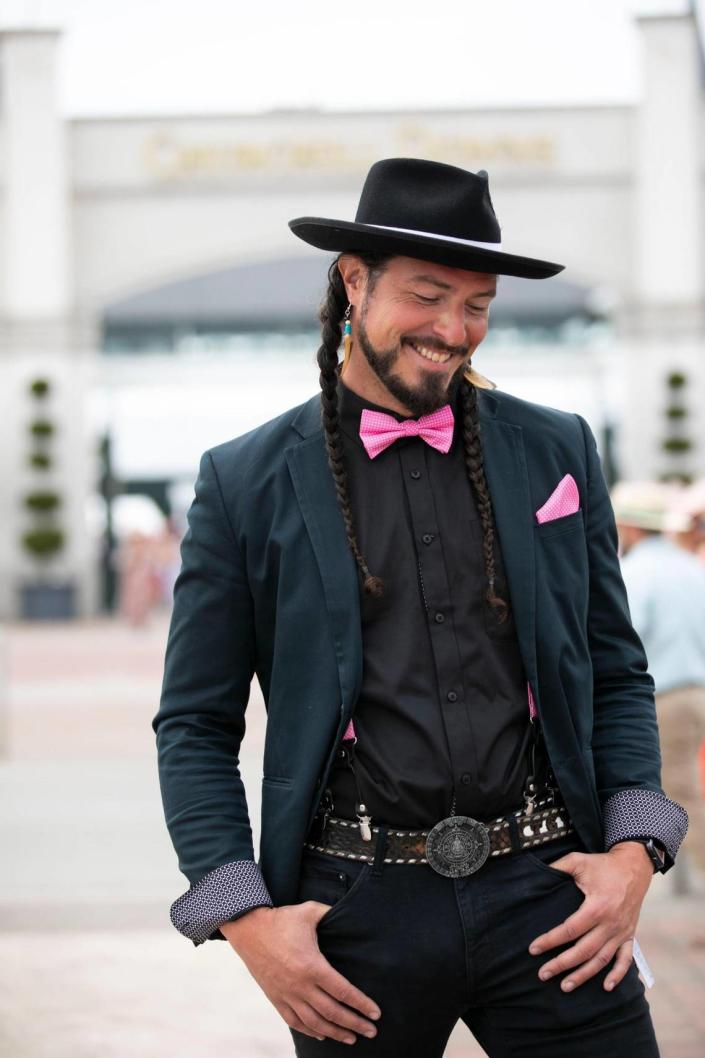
(652, 505)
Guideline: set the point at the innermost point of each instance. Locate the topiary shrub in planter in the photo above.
(41, 428)
(42, 501)
(43, 598)
(43, 542)
(40, 460)
(39, 388)
(676, 443)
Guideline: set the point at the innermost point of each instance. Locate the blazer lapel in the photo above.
(508, 481)
(315, 491)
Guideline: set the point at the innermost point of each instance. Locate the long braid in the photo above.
(331, 316)
(472, 445)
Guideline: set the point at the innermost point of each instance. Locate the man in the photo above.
(439, 560)
(666, 590)
(692, 505)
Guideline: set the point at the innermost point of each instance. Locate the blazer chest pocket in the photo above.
(570, 523)
(562, 573)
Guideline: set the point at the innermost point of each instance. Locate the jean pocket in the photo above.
(544, 856)
(331, 880)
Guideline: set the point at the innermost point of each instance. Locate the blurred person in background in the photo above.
(478, 842)
(138, 583)
(167, 561)
(665, 585)
(691, 503)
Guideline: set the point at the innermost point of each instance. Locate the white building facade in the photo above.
(96, 211)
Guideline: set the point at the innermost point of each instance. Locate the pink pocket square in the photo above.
(565, 499)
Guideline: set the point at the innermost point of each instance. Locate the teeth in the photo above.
(430, 354)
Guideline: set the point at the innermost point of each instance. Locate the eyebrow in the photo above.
(447, 286)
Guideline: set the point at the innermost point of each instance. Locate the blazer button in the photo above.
(439, 618)
(465, 778)
(415, 474)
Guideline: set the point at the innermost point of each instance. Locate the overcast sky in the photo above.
(202, 56)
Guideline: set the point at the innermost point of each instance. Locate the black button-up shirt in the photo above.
(444, 705)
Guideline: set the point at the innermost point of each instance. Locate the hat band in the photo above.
(446, 238)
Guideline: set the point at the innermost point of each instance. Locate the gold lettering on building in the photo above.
(427, 142)
(168, 158)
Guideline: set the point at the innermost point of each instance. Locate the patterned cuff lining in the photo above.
(221, 895)
(636, 813)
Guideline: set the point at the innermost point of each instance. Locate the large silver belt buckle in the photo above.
(457, 846)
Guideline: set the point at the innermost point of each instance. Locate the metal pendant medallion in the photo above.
(457, 846)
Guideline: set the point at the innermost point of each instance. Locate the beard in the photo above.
(427, 395)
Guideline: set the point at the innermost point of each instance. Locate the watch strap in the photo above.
(657, 854)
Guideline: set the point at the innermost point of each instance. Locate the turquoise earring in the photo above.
(347, 338)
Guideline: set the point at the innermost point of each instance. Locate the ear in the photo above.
(353, 271)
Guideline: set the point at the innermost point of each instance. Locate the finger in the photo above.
(570, 863)
(294, 1021)
(319, 907)
(587, 948)
(625, 954)
(569, 931)
(320, 1026)
(316, 910)
(341, 989)
(599, 962)
(341, 1015)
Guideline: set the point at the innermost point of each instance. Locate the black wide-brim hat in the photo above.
(428, 210)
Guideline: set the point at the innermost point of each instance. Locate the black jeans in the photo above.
(430, 950)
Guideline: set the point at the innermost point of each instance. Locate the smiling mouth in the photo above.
(430, 354)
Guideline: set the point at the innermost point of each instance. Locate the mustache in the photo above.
(437, 345)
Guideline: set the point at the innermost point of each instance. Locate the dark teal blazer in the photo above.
(268, 587)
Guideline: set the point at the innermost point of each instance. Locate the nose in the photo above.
(451, 325)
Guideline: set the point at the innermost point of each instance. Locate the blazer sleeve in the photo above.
(625, 740)
(209, 665)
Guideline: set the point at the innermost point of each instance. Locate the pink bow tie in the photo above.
(378, 431)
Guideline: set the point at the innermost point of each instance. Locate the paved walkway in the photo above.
(89, 965)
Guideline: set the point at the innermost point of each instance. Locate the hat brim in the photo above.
(347, 236)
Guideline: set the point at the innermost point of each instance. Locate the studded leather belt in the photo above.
(455, 847)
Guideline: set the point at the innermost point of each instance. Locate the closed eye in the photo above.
(477, 310)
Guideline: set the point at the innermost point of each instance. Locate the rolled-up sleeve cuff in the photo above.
(222, 895)
(636, 813)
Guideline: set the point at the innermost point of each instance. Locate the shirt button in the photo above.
(465, 778)
(428, 538)
(452, 696)
(415, 474)
(439, 618)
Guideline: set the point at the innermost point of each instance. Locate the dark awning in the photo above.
(285, 293)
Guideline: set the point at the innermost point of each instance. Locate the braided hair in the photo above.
(472, 446)
(331, 316)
